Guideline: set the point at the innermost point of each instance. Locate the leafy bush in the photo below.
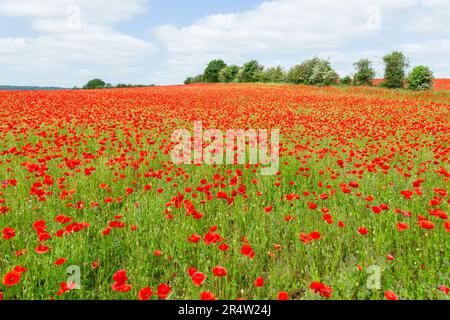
(298, 74)
(94, 84)
(314, 71)
(251, 72)
(364, 73)
(395, 69)
(195, 79)
(211, 73)
(228, 74)
(420, 78)
(274, 75)
(347, 80)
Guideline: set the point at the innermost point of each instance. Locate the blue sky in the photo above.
(67, 42)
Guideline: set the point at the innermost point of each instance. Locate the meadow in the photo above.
(92, 207)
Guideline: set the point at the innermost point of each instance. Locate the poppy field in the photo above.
(92, 207)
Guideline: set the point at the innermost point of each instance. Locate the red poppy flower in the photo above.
(163, 291)
(65, 287)
(20, 269)
(9, 233)
(376, 210)
(390, 295)
(447, 226)
(219, 271)
(60, 261)
(322, 289)
(120, 276)
(283, 295)
(145, 293)
(41, 249)
(194, 238)
(401, 226)
(363, 231)
(44, 236)
(444, 289)
(206, 295)
(247, 251)
(426, 224)
(11, 278)
(223, 247)
(198, 278)
(259, 282)
(312, 206)
(121, 287)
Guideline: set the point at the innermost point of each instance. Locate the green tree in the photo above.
(211, 73)
(347, 80)
(420, 78)
(299, 74)
(364, 73)
(228, 74)
(251, 72)
(94, 84)
(195, 79)
(314, 71)
(395, 69)
(275, 75)
(323, 74)
(198, 78)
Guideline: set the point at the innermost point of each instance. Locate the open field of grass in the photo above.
(92, 207)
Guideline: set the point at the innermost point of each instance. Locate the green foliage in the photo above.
(314, 71)
(95, 84)
(196, 79)
(298, 74)
(347, 80)
(124, 85)
(364, 73)
(395, 69)
(251, 72)
(274, 75)
(319, 72)
(228, 74)
(420, 78)
(211, 73)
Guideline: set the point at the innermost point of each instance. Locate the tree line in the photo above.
(100, 84)
(319, 72)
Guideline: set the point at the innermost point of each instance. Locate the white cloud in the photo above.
(433, 53)
(73, 35)
(92, 11)
(433, 19)
(284, 32)
(292, 30)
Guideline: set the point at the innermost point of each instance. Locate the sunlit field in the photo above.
(92, 207)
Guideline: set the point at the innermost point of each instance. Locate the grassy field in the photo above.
(92, 207)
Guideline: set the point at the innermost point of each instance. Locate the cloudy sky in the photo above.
(67, 42)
